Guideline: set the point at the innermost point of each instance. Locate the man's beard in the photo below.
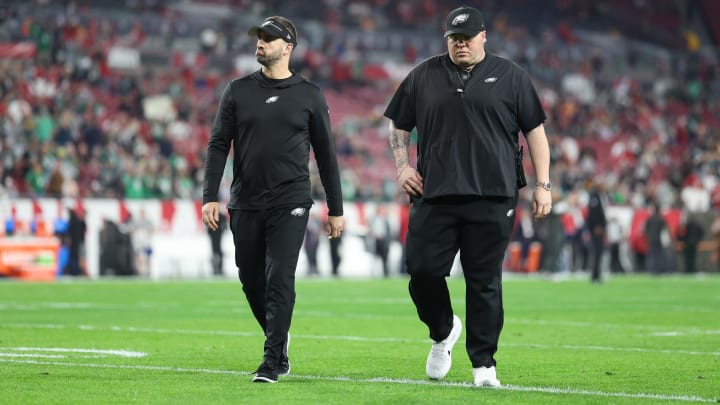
(268, 60)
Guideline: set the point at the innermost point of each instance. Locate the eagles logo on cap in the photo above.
(460, 19)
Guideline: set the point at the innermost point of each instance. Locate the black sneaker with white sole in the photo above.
(266, 373)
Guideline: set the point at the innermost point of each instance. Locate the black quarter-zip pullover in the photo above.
(271, 125)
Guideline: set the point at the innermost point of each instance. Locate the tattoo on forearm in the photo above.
(399, 139)
(399, 142)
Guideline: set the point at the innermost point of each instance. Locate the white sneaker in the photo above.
(439, 360)
(485, 377)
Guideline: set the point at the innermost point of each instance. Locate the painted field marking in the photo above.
(44, 356)
(384, 380)
(690, 332)
(35, 306)
(613, 349)
(651, 330)
(360, 338)
(12, 352)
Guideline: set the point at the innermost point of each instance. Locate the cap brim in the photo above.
(255, 30)
(267, 31)
(470, 33)
(271, 30)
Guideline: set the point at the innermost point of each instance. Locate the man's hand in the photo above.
(211, 215)
(410, 181)
(334, 227)
(542, 202)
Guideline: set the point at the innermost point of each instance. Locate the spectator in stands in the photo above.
(55, 182)
(468, 106)
(35, 180)
(271, 118)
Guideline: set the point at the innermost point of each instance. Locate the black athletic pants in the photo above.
(267, 246)
(480, 229)
(598, 245)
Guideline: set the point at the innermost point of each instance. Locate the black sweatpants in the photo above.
(598, 245)
(267, 246)
(480, 229)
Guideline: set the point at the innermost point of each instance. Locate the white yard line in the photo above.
(362, 339)
(383, 380)
(121, 353)
(44, 356)
(38, 306)
(690, 332)
(583, 324)
(612, 349)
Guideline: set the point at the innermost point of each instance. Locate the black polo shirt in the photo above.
(467, 130)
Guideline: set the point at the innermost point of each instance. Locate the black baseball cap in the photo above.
(464, 20)
(275, 29)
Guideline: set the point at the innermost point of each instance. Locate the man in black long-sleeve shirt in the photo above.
(271, 118)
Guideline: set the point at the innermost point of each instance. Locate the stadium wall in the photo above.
(181, 246)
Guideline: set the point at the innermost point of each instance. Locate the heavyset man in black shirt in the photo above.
(271, 118)
(468, 106)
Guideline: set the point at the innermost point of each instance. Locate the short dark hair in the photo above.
(287, 24)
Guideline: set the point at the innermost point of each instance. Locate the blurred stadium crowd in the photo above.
(115, 99)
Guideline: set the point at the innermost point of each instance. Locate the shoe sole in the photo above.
(262, 379)
(488, 384)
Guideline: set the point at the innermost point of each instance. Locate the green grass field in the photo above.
(635, 339)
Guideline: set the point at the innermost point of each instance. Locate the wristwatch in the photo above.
(546, 185)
